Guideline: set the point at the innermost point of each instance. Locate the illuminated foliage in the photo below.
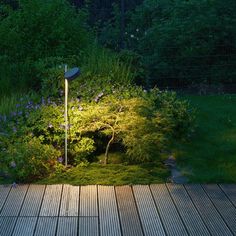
(143, 124)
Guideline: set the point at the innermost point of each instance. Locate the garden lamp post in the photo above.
(69, 76)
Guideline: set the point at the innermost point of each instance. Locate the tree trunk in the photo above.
(108, 146)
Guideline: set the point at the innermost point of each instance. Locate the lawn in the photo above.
(210, 155)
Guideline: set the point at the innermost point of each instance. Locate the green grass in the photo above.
(8, 102)
(99, 61)
(210, 155)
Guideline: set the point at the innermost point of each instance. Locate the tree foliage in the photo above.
(143, 125)
(37, 32)
(181, 42)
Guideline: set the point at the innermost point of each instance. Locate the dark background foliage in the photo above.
(39, 33)
(178, 43)
(175, 44)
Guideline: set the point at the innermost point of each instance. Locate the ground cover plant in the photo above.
(111, 174)
(209, 156)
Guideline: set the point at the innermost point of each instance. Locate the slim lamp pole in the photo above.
(66, 115)
(69, 76)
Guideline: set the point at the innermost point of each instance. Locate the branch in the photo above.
(109, 143)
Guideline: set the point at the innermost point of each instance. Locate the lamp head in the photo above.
(72, 74)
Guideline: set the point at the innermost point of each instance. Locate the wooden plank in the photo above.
(67, 226)
(33, 200)
(88, 201)
(108, 212)
(149, 216)
(4, 191)
(129, 218)
(46, 226)
(230, 191)
(88, 226)
(210, 216)
(14, 201)
(25, 226)
(130, 222)
(70, 201)
(51, 201)
(223, 205)
(187, 211)
(88, 211)
(170, 217)
(7, 225)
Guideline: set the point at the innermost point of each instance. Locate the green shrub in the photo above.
(99, 67)
(143, 124)
(36, 32)
(29, 160)
(82, 149)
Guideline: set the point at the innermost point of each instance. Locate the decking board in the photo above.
(7, 225)
(88, 226)
(51, 201)
(223, 205)
(67, 226)
(149, 216)
(168, 212)
(46, 226)
(187, 211)
(129, 218)
(33, 200)
(140, 210)
(70, 201)
(207, 210)
(4, 191)
(14, 201)
(108, 212)
(25, 226)
(88, 201)
(230, 191)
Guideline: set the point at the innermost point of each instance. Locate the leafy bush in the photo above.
(82, 149)
(37, 35)
(29, 159)
(142, 123)
(99, 67)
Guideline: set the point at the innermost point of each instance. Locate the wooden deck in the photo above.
(163, 209)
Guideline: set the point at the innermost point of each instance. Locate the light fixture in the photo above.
(69, 76)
